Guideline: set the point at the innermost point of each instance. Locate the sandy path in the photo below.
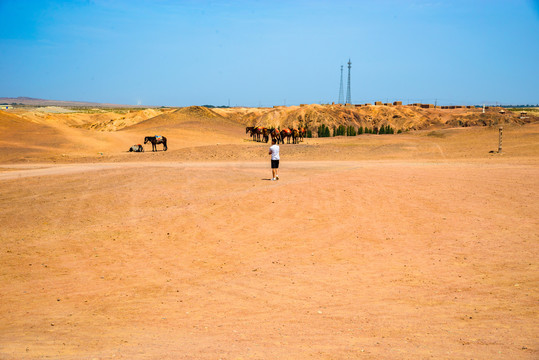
(337, 260)
(17, 171)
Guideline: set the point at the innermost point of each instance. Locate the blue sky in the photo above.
(264, 53)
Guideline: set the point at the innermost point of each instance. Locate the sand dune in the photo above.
(30, 137)
(20, 135)
(92, 119)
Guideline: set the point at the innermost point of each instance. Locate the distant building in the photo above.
(397, 103)
(378, 103)
(6, 107)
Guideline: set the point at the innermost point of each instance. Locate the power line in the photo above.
(348, 92)
(341, 91)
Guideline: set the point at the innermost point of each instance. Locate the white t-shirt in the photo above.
(274, 152)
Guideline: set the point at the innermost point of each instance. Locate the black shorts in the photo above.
(274, 164)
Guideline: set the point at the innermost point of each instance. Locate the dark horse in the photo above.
(286, 133)
(265, 134)
(258, 132)
(275, 135)
(156, 140)
(250, 130)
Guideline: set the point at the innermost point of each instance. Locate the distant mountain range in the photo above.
(43, 102)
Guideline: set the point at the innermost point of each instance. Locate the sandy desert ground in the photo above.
(411, 246)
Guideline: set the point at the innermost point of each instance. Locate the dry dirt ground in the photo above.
(412, 246)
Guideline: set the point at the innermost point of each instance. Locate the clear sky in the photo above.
(264, 53)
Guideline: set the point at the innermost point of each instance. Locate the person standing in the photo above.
(274, 152)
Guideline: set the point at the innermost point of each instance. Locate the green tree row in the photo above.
(324, 131)
(386, 130)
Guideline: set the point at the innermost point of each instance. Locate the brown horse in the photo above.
(265, 134)
(156, 140)
(286, 133)
(302, 134)
(275, 135)
(251, 131)
(295, 136)
(258, 132)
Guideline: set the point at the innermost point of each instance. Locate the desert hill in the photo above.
(399, 117)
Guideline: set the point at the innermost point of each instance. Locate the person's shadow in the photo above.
(269, 179)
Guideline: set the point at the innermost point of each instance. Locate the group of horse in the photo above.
(259, 133)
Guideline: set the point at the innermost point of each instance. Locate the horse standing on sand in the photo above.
(302, 134)
(156, 140)
(275, 135)
(286, 133)
(250, 130)
(258, 132)
(265, 134)
(295, 136)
